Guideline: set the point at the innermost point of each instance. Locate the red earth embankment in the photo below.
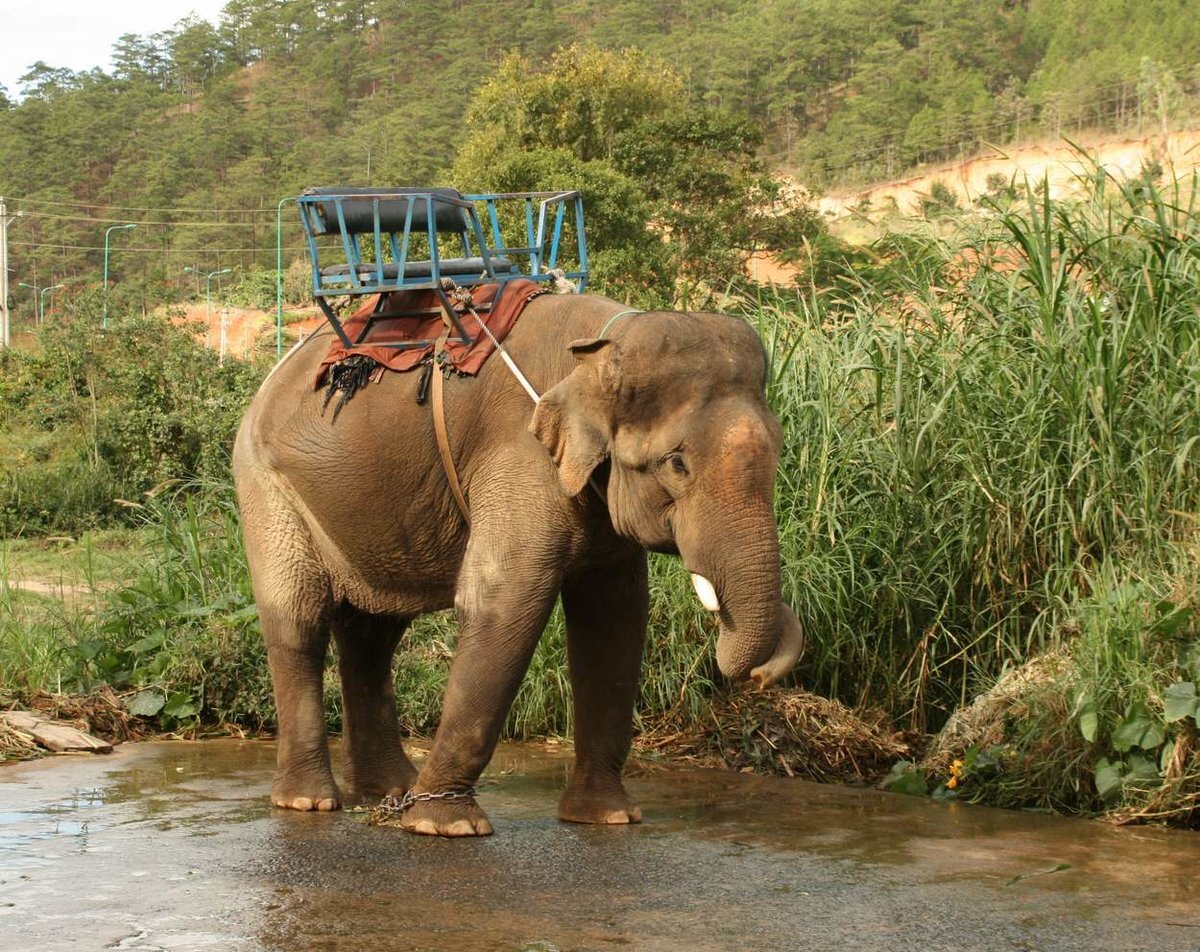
(242, 329)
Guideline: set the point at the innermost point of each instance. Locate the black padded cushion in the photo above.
(360, 213)
(422, 269)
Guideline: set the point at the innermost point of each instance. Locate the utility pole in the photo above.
(224, 337)
(208, 307)
(4, 220)
(3, 274)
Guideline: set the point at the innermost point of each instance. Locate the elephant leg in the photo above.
(294, 601)
(374, 761)
(296, 656)
(506, 591)
(606, 612)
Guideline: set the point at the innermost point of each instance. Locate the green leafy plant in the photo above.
(905, 778)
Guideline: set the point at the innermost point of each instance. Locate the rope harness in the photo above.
(616, 317)
(460, 298)
(442, 359)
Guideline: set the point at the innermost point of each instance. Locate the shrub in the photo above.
(109, 414)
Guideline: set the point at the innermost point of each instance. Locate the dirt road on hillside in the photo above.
(1123, 157)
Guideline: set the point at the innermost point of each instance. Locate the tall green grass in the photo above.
(965, 454)
(186, 632)
(994, 458)
(36, 632)
(42, 626)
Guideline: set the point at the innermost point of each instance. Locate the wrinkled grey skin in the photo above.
(351, 530)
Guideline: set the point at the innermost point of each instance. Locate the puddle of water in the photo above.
(173, 846)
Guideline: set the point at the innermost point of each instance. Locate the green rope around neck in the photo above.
(616, 317)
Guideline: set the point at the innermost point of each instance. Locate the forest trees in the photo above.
(620, 127)
(281, 94)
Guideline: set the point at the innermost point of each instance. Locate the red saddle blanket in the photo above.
(506, 308)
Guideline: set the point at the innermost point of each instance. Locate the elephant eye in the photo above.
(675, 463)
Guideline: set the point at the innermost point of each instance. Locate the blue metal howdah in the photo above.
(380, 240)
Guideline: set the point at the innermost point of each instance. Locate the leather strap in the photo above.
(439, 423)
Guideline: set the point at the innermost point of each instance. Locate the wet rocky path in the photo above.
(172, 846)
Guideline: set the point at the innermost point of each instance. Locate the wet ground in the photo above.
(172, 846)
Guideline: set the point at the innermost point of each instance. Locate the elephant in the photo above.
(653, 436)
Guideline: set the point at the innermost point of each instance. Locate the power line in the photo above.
(169, 224)
(124, 248)
(142, 208)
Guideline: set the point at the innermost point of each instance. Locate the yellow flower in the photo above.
(956, 772)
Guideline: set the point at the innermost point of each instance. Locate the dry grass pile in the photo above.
(1022, 694)
(16, 744)
(789, 732)
(1019, 744)
(99, 713)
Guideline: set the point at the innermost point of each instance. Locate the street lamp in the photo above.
(39, 298)
(109, 231)
(279, 276)
(42, 298)
(208, 293)
(37, 317)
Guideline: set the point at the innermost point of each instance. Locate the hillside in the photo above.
(196, 133)
(1122, 156)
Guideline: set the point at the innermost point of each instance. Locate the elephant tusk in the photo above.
(787, 652)
(706, 593)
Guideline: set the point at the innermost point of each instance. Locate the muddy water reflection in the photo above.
(172, 846)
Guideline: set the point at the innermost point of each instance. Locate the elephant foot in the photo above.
(439, 817)
(608, 806)
(294, 794)
(373, 788)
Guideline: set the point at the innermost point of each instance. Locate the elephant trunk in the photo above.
(748, 642)
(760, 637)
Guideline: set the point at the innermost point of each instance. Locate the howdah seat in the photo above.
(366, 241)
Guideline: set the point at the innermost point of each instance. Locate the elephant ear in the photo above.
(573, 419)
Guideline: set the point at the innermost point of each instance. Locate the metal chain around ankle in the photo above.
(397, 805)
